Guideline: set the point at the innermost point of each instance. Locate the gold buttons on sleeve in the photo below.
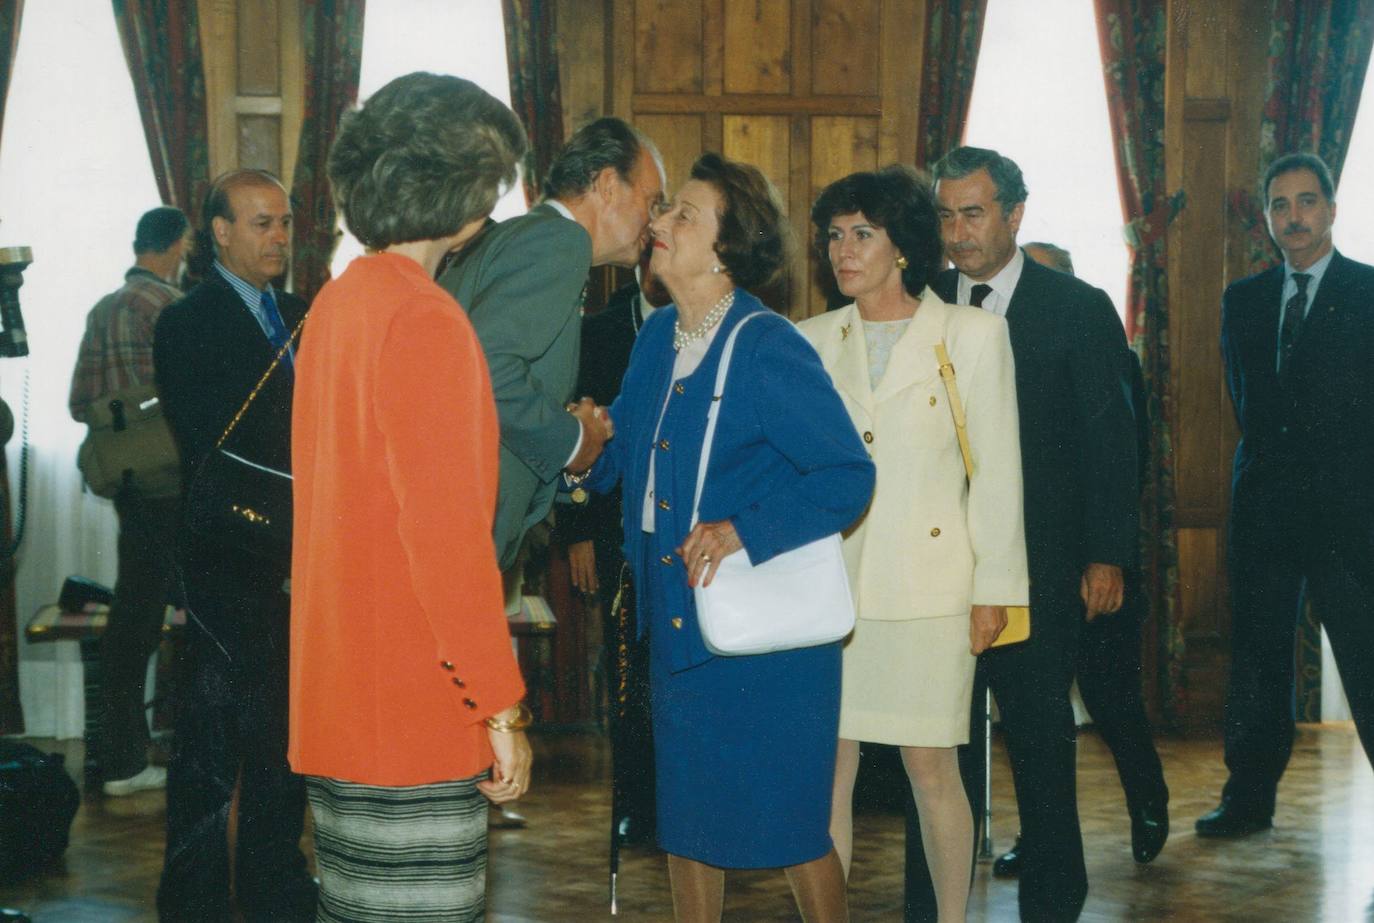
(677, 623)
(663, 444)
(666, 560)
(678, 389)
(663, 505)
(935, 532)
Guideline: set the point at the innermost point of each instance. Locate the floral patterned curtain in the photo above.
(332, 42)
(1319, 53)
(1131, 36)
(533, 60)
(954, 30)
(11, 716)
(161, 40)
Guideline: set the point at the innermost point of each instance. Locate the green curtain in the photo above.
(1318, 55)
(11, 715)
(161, 40)
(1131, 36)
(534, 94)
(954, 30)
(332, 42)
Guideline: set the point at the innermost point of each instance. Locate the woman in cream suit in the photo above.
(937, 557)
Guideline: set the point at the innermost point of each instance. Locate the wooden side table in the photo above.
(50, 623)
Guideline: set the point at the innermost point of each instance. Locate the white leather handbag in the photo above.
(799, 598)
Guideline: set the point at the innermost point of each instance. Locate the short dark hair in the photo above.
(900, 201)
(424, 156)
(1290, 163)
(1003, 171)
(217, 206)
(606, 142)
(752, 240)
(159, 229)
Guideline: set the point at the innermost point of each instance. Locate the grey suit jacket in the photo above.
(520, 283)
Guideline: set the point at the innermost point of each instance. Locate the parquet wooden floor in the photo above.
(1316, 865)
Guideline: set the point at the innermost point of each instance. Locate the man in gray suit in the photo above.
(521, 283)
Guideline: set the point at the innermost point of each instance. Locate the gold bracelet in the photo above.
(523, 719)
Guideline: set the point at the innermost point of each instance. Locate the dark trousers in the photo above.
(1031, 683)
(147, 528)
(627, 669)
(1109, 679)
(1274, 564)
(231, 730)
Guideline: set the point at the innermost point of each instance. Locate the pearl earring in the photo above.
(717, 269)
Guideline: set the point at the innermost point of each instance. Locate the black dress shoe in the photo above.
(1149, 830)
(1230, 820)
(1010, 863)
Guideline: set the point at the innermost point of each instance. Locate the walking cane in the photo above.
(985, 843)
(621, 687)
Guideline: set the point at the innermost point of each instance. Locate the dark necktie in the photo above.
(1292, 319)
(978, 293)
(277, 334)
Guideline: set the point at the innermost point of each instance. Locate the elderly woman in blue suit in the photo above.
(745, 745)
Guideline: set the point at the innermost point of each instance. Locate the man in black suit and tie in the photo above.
(1078, 452)
(1297, 341)
(1109, 672)
(591, 531)
(209, 351)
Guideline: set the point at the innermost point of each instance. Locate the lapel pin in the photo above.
(844, 332)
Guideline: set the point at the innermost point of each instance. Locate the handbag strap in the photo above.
(276, 360)
(714, 413)
(956, 406)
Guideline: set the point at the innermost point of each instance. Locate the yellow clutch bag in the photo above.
(1018, 626)
(1018, 617)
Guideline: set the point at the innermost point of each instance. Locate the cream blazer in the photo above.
(932, 543)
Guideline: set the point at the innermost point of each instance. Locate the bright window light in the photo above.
(1039, 98)
(401, 36)
(74, 179)
(1354, 229)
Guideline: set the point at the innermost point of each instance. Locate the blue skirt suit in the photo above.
(744, 746)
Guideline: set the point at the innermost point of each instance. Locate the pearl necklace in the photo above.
(683, 337)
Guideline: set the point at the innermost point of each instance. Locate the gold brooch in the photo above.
(844, 332)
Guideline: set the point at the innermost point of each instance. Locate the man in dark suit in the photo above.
(1109, 669)
(521, 284)
(209, 351)
(1297, 342)
(591, 531)
(1078, 455)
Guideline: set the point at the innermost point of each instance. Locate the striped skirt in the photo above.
(415, 853)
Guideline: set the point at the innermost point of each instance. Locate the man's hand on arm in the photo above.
(1102, 589)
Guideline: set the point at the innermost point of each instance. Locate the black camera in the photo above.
(13, 261)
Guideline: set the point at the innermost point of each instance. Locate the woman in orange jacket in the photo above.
(405, 695)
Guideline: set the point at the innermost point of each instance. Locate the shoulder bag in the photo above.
(799, 598)
(128, 445)
(1018, 617)
(237, 501)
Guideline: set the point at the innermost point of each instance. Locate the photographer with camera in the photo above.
(114, 377)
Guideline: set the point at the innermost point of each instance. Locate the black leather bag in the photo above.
(37, 803)
(239, 501)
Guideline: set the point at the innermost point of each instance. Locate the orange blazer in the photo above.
(399, 642)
